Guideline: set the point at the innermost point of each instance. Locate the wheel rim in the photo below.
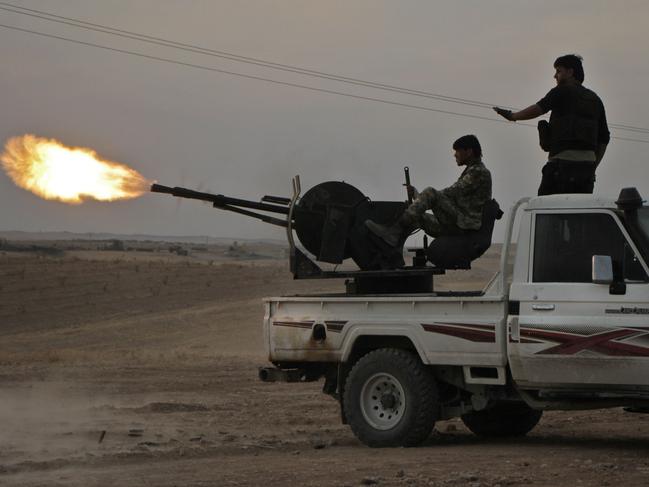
(382, 401)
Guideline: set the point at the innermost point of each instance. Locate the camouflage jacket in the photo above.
(469, 194)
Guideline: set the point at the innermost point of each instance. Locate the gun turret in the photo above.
(328, 221)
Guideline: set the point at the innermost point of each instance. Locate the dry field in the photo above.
(140, 368)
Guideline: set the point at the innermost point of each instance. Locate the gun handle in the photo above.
(406, 171)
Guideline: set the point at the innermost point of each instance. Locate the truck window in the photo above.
(565, 243)
(643, 219)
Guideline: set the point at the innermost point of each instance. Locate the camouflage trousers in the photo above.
(443, 220)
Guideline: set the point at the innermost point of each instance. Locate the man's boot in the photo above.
(394, 235)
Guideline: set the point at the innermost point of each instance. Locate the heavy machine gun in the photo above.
(328, 221)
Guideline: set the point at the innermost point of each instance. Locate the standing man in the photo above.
(577, 135)
(455, 209)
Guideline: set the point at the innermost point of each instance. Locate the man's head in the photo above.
(467, 148)
(568, 69)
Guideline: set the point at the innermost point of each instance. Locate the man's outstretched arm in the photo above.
(528, 113)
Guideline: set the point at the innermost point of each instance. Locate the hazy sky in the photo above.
(245, 138)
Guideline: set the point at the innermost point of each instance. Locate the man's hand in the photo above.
(507, 114)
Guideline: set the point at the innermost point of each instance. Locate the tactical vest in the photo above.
(575, 125)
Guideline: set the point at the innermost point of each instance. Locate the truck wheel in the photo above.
(503, 419)
(390, 399)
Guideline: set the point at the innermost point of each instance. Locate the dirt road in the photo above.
(135, 370)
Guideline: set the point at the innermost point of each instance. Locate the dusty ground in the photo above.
(140, 368)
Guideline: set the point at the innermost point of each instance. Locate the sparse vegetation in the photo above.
(51, 250)
(179, 250)
(115, 245)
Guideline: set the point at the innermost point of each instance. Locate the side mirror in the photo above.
(602, 269)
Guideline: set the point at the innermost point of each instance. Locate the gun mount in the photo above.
(328, 221)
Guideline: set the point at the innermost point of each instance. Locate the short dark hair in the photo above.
(468, 142)
(572, 61)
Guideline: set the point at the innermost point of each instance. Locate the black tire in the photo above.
(505, 419)
(390, 399)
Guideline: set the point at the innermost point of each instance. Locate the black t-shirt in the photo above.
(558, 99)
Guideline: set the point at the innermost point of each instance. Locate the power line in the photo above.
(273, 81)
(235, 57)
(248, 76)
(48, 16)
(629, 128)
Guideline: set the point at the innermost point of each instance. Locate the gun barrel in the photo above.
(185, 193)
(218, 200)
(159, 188)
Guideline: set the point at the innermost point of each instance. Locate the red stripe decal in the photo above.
(604, 342)
(474, 333)
(294, 324)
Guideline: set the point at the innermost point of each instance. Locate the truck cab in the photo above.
(569, 330)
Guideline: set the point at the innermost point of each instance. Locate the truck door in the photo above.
(569, 331)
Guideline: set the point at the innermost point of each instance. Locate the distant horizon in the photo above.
(46, 235)
(105, 235)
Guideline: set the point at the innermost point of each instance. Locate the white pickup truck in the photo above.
(566, 328)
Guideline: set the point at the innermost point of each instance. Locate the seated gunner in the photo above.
(455, 210)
